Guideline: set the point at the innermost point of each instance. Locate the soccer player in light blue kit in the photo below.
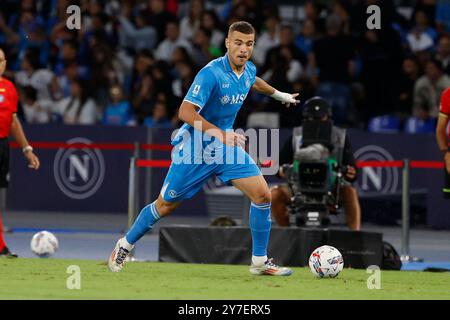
(210, 108)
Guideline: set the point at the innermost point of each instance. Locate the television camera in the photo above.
(315, 177)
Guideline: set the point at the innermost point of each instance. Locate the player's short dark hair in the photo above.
(242, 27)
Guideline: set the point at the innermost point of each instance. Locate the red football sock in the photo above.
(2, 241)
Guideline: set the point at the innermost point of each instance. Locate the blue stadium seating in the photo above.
(416, 125)
(338, 95)
(384, 124)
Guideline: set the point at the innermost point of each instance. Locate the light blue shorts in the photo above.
(186, 177)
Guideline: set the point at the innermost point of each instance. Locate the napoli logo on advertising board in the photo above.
(384, 180)
(79, 172)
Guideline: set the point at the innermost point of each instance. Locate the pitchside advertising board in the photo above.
(73, 179)
(96, 179)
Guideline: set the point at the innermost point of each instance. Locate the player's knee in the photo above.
(262, 197)
(165, 207)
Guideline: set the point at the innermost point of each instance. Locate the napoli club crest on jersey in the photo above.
(172, 193)
(247, 83)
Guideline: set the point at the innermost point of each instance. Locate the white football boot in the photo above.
(119, 255)
(270, 269)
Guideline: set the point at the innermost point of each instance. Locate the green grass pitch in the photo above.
(47, 279)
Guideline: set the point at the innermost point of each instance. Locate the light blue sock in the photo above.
(146, 219)
(260, 224)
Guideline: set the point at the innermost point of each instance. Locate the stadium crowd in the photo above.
(132, 61)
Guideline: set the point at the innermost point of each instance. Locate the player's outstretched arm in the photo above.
(188, 113)
(263, 87)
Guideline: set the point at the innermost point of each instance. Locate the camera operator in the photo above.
(316, 115)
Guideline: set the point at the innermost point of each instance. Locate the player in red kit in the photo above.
(442, 137)
(9, 124)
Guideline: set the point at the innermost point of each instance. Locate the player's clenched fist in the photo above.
(33, 160)
(233, 139)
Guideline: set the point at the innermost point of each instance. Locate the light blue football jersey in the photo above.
(219, 93)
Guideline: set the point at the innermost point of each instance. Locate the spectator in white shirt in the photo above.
(143, 36)
(32, 75)
(35, 111)
(443, 53)
(294, 67)
(418, 40)
(190, 23)
(268, 39)
(78, 108)
(172, 40)
(211, 22)
(428, 89)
